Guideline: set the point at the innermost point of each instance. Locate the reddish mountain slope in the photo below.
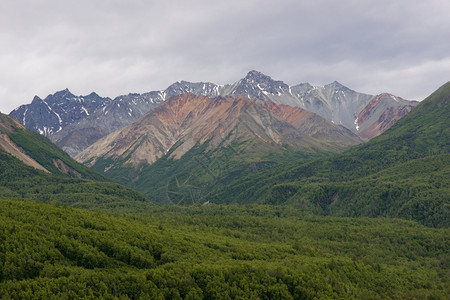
(381, 113)
(187, 120)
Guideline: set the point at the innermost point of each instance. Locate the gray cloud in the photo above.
(115, 47)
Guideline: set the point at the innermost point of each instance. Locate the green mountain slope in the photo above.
(361, 181)
(17, 140)
(186, 180)
(31, 167)
(216, 252)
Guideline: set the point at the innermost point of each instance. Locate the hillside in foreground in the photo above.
(216, 252)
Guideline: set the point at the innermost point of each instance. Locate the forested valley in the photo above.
(369, 223)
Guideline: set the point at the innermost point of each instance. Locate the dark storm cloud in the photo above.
(117, 46)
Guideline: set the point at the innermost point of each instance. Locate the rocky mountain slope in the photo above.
(187, 120)
(50, 115)
(117, 114)
(380, 114)
(75, 122)
(183, 123)
(333, 101)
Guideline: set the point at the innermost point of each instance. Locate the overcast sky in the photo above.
(115, 47)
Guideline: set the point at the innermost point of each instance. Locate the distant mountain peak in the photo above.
(93, 94)
(336, 85)
(63, 94)
(259, 77)
(256, 85)
(48, 116)
(36, 99)
(254, 73)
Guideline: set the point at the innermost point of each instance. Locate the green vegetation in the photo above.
(216, 252)
(45, 153)
(18, 181)
(402, 173)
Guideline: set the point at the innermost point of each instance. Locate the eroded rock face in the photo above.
(380, 114)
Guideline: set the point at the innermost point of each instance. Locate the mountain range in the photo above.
(76, 122)
(186, 120)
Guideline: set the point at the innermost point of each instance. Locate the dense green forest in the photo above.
(402, 173)
(216, 252)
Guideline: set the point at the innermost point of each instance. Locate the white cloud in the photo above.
(115, 47)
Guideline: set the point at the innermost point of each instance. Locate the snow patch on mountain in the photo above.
(57, 115)
(85, 110)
